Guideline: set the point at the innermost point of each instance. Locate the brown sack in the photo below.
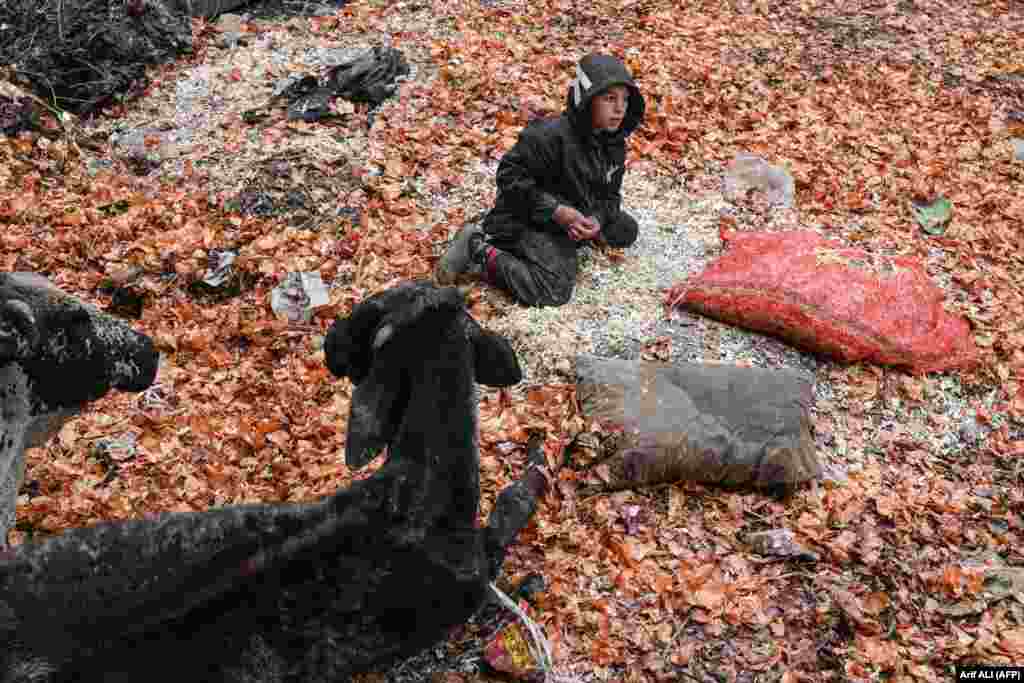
(716, 424)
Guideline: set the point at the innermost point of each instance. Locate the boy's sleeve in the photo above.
(519, 178)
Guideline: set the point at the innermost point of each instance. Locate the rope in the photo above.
(540, 649)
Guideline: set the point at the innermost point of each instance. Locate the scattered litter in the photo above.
(220, 268)
(523, 654)
(834, 475)
(118, 449)
(933, 217)
(298, 295)
(370, 77)
(631, 519)
(157, 396)
(315, 106)
(779, 543)
(750, 172)
(131, 143)
(221, 280)
(509, 652)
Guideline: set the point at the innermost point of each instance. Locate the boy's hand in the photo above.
(578, 226)
(585, 229)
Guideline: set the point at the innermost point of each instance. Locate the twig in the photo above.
(594, 492)
(804, 575)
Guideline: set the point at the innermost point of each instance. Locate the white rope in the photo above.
(540, 649)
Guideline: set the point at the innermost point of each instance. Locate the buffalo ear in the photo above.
(495, 361)
(347, 347)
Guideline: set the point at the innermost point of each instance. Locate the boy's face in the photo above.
(609, 108)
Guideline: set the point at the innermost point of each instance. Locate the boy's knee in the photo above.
(622, 231)
(560, 295)
(556, 292)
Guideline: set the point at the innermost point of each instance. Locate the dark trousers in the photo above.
(539, 266)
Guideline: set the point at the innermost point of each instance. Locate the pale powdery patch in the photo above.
(617, 306)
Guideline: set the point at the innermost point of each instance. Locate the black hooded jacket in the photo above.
(563, 161)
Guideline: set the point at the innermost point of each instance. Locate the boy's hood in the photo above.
(595, 73)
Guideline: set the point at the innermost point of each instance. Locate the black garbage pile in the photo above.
(81, 55)
(372, 77)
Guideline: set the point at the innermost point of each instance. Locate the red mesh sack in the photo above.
(826, 298)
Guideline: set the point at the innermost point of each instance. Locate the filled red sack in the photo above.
(824, 297)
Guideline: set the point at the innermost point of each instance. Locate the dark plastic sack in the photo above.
(718, 424)
(371, 77)
(823, 297)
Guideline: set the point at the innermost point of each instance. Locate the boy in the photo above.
(558, 187)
